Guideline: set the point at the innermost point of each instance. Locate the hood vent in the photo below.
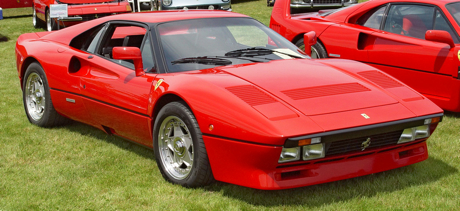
(327, 90)
(251, 95)
(380, 79)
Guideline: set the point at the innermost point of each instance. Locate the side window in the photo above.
(373, 18)
(147, 56)
(410, 20)
(88, 40)
(440, 23)
(121, 35)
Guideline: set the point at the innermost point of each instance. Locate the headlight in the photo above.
(296, 1)
(414, 133)
(225, 0)
(167, 2)
(313, 151)
(312, 148)
(289, 154)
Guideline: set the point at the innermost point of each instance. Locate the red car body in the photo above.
(15, 4)
(248, 113)
(431, 68)
(84, 9)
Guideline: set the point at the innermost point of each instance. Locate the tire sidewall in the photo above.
(177, 109)
(36, 68)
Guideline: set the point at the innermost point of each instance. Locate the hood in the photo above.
(311, 87)
(84, 1)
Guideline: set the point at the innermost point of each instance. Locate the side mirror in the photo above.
(439, 36)
(309, 39)
(130, 53)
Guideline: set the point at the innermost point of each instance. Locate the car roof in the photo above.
(65, 35)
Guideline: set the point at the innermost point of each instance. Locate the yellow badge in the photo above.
(158, 84)
(458, 55)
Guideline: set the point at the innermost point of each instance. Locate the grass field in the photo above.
(77, 167)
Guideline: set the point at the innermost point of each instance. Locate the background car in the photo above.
(218, 95)
(415, 41)
(197, 4)
(78, 11)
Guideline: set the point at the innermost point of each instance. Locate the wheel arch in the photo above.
(25, 65)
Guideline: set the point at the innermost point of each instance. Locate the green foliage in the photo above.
(78, 167)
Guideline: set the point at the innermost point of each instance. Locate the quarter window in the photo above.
(372, 19)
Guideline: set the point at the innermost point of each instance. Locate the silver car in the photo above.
(192, 4)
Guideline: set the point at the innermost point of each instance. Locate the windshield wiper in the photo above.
(203, 60)
(256, 51)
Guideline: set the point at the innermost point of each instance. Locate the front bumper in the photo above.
(256, 166)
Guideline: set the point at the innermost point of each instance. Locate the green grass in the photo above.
(77, 167)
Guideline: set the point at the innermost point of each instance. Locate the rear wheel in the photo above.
(37, 100)
(179, 148)
(317, 51)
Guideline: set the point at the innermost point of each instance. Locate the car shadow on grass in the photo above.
(3, 38)
(87, 130)
(428, 171)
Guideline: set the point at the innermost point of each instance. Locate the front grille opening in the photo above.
(356, 144)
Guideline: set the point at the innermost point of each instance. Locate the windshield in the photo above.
(454, 10)
(206, 43)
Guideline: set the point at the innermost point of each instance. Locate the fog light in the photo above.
(289, 154)
(211, 7)
(313, 151)
(225, 7)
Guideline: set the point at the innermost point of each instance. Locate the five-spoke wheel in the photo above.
(179, 148)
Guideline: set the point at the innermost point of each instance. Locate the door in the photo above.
(401, 50)
(115, 98)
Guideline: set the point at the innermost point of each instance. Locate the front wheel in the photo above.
(35, 20)
(317, 51)
(179, 148)
(50, 24)
(37, 100)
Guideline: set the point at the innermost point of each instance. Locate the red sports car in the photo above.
(415, 41)
(218, 95)
(78, 11)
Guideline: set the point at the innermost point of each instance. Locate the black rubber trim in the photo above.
(367, 130)
(243, 141)
(135, 112)
(405, 68)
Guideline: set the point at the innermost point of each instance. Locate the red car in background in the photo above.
(416, 41)
(78, 11)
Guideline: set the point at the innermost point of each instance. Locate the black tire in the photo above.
(318, 51)
(178, 116)
(37, 102)
(154, 5)
(35, 20)
(50, 23)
